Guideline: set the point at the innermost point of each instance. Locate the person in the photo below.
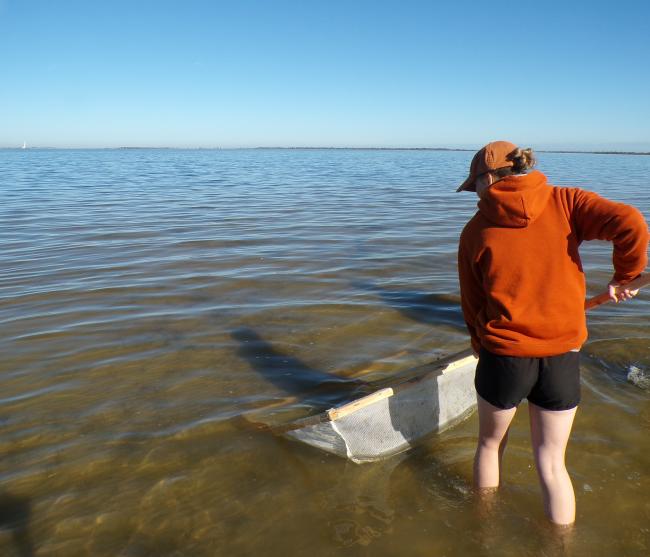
(522, 295)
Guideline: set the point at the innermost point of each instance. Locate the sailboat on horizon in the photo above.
(24, 145)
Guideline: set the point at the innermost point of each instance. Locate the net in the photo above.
(391, 420)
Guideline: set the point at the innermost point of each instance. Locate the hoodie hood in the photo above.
(516, 201)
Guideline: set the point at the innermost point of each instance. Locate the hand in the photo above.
(618, 292)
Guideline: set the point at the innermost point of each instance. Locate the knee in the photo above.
(489, 444)
(550, 468)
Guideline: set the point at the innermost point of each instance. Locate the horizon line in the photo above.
(316, 148)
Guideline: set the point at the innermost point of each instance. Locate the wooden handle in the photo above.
(638, 282)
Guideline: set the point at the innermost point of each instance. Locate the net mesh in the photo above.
(391, 425)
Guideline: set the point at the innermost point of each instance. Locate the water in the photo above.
(131, 403)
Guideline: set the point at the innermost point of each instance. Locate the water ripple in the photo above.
(158, 307)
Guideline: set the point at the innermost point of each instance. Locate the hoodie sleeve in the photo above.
(597, 218)
(471, 292)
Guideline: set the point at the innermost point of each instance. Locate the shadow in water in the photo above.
(310, 386)
(15, 513)
(434, 309)
(416, 410)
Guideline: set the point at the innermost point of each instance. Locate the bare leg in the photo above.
(502, 449)
(492, 438)
(550, 431)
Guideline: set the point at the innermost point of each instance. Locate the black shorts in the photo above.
(552, 383)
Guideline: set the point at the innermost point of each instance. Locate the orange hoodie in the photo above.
(521, 280)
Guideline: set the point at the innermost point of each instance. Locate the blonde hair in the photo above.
(522, 160)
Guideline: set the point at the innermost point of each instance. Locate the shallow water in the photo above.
(157, 305)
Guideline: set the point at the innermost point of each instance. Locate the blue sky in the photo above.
(324, 73)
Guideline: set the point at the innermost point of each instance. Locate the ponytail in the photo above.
(522, 160)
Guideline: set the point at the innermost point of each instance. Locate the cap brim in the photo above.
(468, 185)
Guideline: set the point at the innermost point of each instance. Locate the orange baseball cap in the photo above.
(491, 157)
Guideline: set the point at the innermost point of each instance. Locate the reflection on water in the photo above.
(157, 306)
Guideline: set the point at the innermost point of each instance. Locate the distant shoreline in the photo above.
(645, 153)
(263, 148)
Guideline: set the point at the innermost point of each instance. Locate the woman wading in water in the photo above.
(523, 292)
